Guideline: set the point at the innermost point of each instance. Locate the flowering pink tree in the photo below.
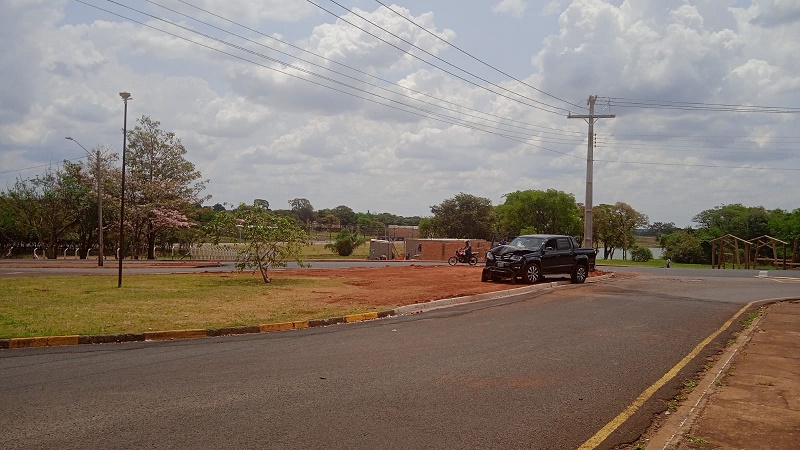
(163, 185)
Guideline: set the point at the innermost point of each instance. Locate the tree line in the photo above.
(58, 210)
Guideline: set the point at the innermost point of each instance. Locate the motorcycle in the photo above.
(461, 257)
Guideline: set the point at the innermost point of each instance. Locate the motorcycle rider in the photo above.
(467, 251)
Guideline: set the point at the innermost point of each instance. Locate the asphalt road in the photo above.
(538, 371)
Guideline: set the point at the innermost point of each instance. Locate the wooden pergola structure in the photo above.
(725, 249)
(772, 244)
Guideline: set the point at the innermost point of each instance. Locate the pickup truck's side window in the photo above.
(550, 245)
(563, 244)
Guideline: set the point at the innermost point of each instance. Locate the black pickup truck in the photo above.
(530, 257)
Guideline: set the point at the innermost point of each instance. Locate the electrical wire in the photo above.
(437, 116)
(478, 59)
(427, 114)
(438, 58)
(285, 64)
(560, 131)
(698, 106)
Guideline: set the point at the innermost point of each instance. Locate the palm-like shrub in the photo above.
(345, 242)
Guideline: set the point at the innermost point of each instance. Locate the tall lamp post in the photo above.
(99, 203)
(125, 97)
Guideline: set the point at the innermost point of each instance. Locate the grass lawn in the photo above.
(318, 251)
(651, 263)
(54, 306)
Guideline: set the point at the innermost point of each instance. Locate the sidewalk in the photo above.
(751, 398)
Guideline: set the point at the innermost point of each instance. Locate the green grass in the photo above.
(54, 306)
(696, 440)
(318, 251)
(745, 324)
(651, 263)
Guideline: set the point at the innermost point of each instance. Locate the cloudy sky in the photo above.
(394, 107)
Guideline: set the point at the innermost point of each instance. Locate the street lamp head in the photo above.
(69, 138)
(125, 96)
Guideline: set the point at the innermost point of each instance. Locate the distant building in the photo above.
(401, 232)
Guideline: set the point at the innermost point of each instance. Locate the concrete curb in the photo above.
(676, 424)
(56, 341)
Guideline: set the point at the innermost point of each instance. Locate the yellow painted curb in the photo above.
(300, 324)
(270, 327)
(27, 342)
(174, 334)
(360, 317)
(53, 341)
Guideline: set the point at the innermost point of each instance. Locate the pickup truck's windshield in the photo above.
(528, 243)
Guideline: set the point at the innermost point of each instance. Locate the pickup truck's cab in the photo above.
(530, 257)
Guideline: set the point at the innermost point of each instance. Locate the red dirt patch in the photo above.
(405, 285)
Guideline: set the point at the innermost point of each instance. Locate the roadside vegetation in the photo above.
(54, 306)
(57, 213)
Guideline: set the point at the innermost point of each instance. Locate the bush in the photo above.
(641, 254)
(345, 242)
(683, 247)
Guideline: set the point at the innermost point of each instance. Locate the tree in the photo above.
(163, 185)
(532, 211)
(684, 247)
(464, 216)
(426, 228)
(784, 225)
(346, 215)
(345, 242)
(218, 207)
(641, 254)
(261, 203)
(659, 228)
(368, 224)
(12, 229)
(49, 205)
(739, 220)
(302, 209)
(613, 225)
(270, 240)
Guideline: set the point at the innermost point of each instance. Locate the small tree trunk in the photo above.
(51, 249)
(151, 241)
(261, 267)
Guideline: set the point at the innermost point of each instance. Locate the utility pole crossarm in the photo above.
(588, 225)
(591, 116)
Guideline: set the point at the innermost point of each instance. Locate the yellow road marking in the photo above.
(610, 427)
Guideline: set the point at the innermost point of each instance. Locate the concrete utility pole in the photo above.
(590, 119)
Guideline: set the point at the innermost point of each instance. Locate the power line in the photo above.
(477, 59)
(438, 116)
(41, 165)
(457, 121)
(560, 132)
(698, 106)
(428, 114)
(438, 58)
(713, 166)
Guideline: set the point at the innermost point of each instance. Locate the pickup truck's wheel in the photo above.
(532, 273)
(580, 273)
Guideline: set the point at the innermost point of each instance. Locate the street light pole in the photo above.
(125, 97)
(99, 204)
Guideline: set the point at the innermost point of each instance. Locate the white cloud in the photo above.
(514, 7)
(266, 129)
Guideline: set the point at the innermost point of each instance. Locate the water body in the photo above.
(657, 253)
